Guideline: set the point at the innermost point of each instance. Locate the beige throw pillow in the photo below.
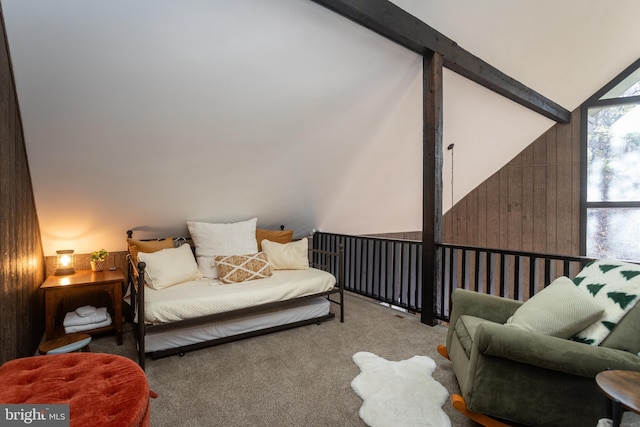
(168, 267)
(287, 256)
(148, 246)
(240, 268)
(279, 236)
(559, 310)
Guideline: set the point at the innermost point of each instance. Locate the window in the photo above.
(611, 181)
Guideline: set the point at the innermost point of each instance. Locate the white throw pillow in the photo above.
(168, 267)
(287, 256)
(559, 310)
(236, 238)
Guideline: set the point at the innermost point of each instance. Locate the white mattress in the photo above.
(203, 297)
(307, 309)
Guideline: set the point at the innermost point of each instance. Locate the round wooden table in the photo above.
(623, 390)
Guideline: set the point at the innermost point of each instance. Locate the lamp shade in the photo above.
(64, 262)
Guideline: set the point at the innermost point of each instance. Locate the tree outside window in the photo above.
(613, 172)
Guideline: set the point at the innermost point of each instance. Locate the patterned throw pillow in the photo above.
(615, 285)
(240, 268)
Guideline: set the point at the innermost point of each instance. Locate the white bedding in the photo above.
(203, 297)
(193, 334)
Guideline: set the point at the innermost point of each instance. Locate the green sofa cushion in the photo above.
(615, 285)
(559, 310)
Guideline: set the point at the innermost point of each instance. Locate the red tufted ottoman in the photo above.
(101, 389)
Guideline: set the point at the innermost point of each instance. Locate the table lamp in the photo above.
(64, 262)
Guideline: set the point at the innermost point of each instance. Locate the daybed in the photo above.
(208, 307)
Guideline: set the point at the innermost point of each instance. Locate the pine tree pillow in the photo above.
(615, 285)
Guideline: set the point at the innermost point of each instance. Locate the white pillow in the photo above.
(238, 238)
(287, 256)
(168, 267)
(559, 310)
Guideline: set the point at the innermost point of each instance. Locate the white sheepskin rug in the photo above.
(399, 393)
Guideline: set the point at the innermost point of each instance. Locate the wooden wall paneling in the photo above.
(527, 208)
(461, 221)
(552, 157)
(540, 208)
(566, 219)
(503, 231)
(446, 224)
(551, 212)
(527, 156)
(539, 148)
(472, 218)
(531, 204)
(482, 219)
(22, 262)
(20, 236)
(551, 145)
(527, 198)
(563, 144)
(563, 206)
(10, 298)
(493, 209)
(8, 301)
(452, 220)
(514, 207)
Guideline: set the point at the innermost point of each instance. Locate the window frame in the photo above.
(595, 101)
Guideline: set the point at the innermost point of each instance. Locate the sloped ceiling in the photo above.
(146, 114)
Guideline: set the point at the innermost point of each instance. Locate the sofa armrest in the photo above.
(551, 353)
(489, 307)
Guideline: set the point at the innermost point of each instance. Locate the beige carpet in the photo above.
(299, 377)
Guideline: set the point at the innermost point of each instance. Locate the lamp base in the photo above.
(64, 271)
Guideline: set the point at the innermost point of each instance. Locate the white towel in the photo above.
(81, 328)
(87, 310)
(73, 319)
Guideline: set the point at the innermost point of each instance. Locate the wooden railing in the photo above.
(390, 271)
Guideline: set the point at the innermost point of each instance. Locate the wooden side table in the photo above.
(56, 288)
(623, 390)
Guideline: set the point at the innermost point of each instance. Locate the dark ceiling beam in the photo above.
(398, 25)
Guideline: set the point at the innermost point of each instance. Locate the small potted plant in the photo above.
(98, 259)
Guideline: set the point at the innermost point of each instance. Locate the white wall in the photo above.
(150, 113)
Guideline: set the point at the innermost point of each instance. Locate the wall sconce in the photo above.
(64, 262)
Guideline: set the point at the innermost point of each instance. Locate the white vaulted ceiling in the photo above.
(150, 113)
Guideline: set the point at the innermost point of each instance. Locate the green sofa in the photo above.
(526, 377)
